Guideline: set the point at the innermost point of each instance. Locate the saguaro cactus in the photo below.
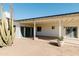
(6, 28)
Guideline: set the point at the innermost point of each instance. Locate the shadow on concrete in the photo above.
(53, 43)
(46, 37)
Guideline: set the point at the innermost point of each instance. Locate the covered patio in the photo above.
(43, 23)
(52, 26)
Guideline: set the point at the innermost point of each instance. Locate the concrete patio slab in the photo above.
(29, 47)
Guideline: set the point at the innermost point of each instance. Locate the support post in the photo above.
(34, 31)
(60, 28)
(78, 32)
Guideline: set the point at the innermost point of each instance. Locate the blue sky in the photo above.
(31, 10)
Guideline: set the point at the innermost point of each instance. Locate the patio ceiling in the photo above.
(67, 19)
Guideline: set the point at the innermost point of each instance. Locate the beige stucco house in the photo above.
(66, 25)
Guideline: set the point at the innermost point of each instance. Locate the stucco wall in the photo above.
(18, 31)
(47, 30)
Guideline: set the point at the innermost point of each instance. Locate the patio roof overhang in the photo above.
(66, 18)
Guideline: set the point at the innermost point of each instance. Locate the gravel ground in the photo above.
(28, 47)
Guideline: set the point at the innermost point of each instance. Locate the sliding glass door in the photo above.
(27, 31)
(71, 32)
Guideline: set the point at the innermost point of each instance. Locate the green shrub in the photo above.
(60, 38)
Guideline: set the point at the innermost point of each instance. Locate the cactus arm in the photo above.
(6, 35)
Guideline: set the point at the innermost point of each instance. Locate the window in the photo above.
(53, 27)
(38, 29)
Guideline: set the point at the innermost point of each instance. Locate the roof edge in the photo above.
(48, 16)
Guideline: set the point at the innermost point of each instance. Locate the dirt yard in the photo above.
(28, 47)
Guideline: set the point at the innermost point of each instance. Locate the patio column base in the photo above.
(36, 38)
